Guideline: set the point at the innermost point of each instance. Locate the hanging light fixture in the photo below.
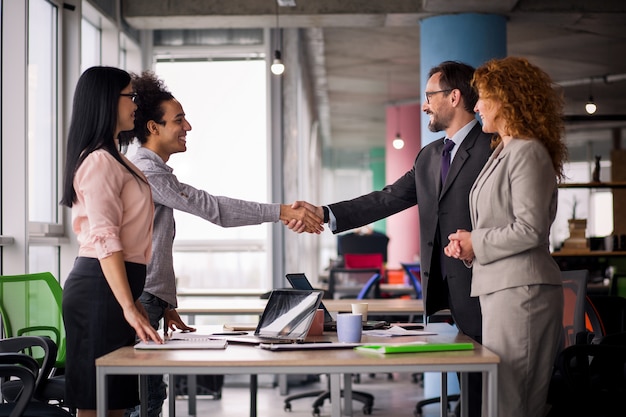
(277, 67)
(398, 142)
(590, 106)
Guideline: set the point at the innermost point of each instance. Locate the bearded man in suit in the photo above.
(443, 203)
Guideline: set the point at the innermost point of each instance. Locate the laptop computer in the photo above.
(301, 282)
(286, 318)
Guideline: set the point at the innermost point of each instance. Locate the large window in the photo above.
(43, 134)
(91, 40)
(43, 111)
(225, 102)
(594, 205)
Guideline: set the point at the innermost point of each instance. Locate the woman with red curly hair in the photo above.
(513, 204)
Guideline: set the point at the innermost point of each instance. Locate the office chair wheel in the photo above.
(287, 406)
(316, 412)
(367, 410)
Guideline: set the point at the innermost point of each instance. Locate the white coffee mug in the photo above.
(349, 327)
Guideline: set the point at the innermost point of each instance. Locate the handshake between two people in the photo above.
(460, 246)
(302, 217)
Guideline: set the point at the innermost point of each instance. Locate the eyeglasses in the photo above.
(428, 94)
(133, 96)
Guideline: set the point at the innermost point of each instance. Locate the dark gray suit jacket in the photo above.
(441, 211)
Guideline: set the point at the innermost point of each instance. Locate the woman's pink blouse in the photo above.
(113, 210)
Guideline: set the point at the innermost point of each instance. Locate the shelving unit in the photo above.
(596, 261)
(593, 185)
(596, 253)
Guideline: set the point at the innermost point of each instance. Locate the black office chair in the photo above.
(32, 377)
(363, 243)
(323, 395)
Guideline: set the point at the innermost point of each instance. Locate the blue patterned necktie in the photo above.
(445, 159)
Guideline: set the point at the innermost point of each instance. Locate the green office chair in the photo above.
(30, 305)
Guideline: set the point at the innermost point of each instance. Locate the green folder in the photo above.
(415, 347)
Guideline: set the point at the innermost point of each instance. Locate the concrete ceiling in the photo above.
(368, 51)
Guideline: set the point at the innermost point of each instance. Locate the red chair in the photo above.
(360, 269)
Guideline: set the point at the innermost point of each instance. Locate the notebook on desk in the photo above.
(181, 340)
(285, 319)
(300, 281)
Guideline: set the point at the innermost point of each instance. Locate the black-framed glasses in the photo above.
(428, 94)
(133, 96)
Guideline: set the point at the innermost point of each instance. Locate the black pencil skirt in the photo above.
(95, 326)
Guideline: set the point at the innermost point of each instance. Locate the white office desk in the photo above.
(245, 360)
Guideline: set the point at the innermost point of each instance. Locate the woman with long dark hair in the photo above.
(112, 214)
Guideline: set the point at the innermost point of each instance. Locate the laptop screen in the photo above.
(288, 314)
(301, 282)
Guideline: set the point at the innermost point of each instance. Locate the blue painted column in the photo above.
(473, 39)
(468, 37)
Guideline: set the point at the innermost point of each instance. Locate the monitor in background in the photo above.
(301, 282)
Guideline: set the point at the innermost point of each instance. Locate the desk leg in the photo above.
(443, 411)
(254, 386)
(171, 395)
(143, 395)
(192, 393)
(347, 394)
(335, 395)
(283, 384)
(463, 398)
(492, 390)
(101, 393)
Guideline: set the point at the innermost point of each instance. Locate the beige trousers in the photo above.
(523, 325)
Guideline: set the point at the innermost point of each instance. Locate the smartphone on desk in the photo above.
(375, 324)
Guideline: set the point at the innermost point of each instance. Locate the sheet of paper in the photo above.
(396, 331)
(308, 346)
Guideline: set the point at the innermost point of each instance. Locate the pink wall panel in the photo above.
(402, 228)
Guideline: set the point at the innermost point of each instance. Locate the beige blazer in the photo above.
(513, 204)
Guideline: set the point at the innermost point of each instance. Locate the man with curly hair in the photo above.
(161, 128)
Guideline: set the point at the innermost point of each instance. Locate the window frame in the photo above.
(199, 246)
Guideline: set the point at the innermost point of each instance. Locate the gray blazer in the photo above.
(442, 210)
(169, 194)
(513, 204)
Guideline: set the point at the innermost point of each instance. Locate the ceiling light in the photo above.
(398, 142)
(591, 107)
(277, 65)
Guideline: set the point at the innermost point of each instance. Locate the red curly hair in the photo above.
(529, 105)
